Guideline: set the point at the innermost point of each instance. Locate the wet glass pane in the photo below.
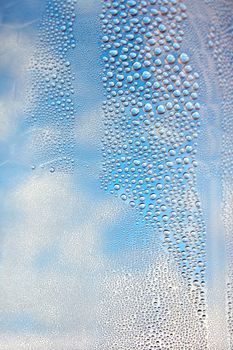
(116, 129)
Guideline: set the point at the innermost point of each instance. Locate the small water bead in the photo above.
(131, 3)
(63, 28)
(113, 53)
(152, 196)
(136, 162)
(159, 186)
(142, 206)
(163, 10)
(124, 197)
(117, 187)
(184, 58)
(54, 37)
(161, 109)
(146, 75)
(151, 136)
(148, 107)
(169, 106)
(135, 111)
(137, 65)
(189, 149)
(170, 59)
(172, 152)
(156, 85)
(146, 20)
(196, 115)
(157, 51)
(189, 106)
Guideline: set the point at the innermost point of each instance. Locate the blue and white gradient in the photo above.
(80, 268)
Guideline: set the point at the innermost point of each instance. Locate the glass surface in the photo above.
(116, 129)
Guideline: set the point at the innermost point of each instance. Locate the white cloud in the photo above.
(89, 127)
(50, 211)
(15, 51)
(36, 342)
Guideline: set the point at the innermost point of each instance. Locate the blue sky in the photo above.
(60, 232)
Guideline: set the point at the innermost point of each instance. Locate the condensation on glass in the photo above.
(116, 128)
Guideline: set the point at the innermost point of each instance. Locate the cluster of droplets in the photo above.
(220, 42)
(151, 126)
(51, 109)
(150, 310)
